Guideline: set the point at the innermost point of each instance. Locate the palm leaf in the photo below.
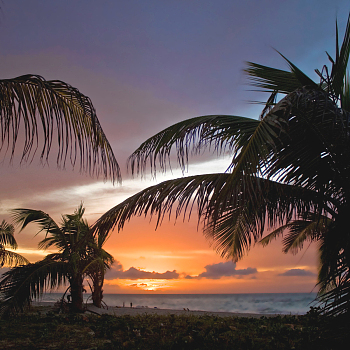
(345, 97)
(192, 135)
(9, 258)
(339, 66)
(248, 212)
(7, 235)
(298, 231)
(308, 154)
(29, 101)
(301, 77)
(23, 217)
(269, 79)
(302, 231)
(21, 284)
(159, 200)
(243, 218)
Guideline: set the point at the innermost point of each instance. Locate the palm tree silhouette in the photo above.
(77, 256)
(289, 169)
(101, 262)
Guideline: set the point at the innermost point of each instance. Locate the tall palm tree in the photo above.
(290, 164)
(72, 262)
(7, 239)
(48, 110)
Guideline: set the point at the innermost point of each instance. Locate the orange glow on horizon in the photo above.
(182, 250)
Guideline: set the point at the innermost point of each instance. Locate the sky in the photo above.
(147, 65)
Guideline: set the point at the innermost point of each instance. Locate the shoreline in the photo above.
(134, 311)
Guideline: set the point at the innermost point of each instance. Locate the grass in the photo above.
(52, 331)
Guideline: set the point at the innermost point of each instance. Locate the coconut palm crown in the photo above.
(289, 172)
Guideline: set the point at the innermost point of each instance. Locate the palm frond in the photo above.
(269, 79)
(334, 282)
(7, 235)
(150, 200)
(301, 77)
(301, 231)
(9, 258)
(248, 211)
(345, 97)
(21, 284)
(339, 66)
(279, 231)
(159, 200)
(307, 153)
(244, 216)
(23, 217)
(192, 135)
(29, 101)
(298, 231)
(230, 234)
(280, 148)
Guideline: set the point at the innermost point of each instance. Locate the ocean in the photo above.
(259, 303)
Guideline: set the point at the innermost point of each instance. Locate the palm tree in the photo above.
(73, 261)
(7, 239)
(101, 262)
(28, 101)
(289, 167)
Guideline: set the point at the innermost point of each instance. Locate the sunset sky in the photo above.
(148, 64)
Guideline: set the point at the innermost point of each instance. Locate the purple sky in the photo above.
(146, 65)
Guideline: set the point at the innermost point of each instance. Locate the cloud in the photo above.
(216, 271)
(297, 272)
(132, 273)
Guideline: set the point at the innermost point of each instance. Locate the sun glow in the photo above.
(142, 284)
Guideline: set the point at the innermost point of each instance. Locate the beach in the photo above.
(254, 303)
(45, 307)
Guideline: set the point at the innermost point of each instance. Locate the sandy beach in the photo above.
(133, 311)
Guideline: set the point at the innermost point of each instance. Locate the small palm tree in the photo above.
(7, 239)
(73, 261)
(289, 169)
(102, 261)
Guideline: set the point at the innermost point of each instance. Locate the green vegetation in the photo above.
(289, 172)
(79, 254)
(53, 331)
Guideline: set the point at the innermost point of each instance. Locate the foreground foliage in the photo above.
(168, 332)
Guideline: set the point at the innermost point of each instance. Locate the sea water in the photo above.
(258, 303)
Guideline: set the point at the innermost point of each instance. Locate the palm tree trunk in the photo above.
(97, 293)
(97, 296)
(76, 287)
